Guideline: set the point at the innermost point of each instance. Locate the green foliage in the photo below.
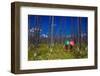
(80, 53)
(44, 52)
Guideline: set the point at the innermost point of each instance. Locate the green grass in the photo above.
(43, 52)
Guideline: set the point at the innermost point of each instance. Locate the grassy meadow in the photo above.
(57, 51)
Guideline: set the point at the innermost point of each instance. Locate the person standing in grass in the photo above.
(69, 44)
(72, 43)
(66, 45)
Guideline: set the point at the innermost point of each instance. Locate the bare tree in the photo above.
(72, 29)
(60, 29)
(79, 32)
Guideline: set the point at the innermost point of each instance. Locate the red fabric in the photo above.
(72, 43)
(66, 47)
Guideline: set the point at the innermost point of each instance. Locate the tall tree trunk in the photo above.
(72, 29)
(52, 31)
(61, 24)
(79, 32)
(49, 32)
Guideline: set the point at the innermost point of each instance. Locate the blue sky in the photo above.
(64, 22)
